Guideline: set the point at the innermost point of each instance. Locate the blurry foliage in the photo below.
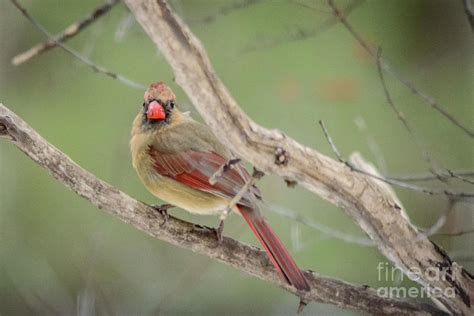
(59, 254)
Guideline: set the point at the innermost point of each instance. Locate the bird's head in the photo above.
(158, 107)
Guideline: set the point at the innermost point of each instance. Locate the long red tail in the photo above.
(278, 254)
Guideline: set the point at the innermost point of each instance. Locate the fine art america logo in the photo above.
(388, 273)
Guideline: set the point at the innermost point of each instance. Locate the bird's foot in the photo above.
(219, 230)
(301, 306)
(163, 210)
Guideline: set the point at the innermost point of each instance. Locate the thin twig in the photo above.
(124, 26)
(300, 34)
(93, 66)
(430, 177)
(307, 6)
(456, 233)
(401, 116)
(416, 140)
(357, 160)
(333, 146)
(460, 177)
(433, 230)
(372, 144)
(469, 10)
(390, 181)
(229, 8)
(326, 230)
(68, 33)
(385, 65)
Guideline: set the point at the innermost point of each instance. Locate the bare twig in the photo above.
(187, 235)
(441, 219)
(124, 26)
(430, 176)
(372, 144)
(469, 10)
(456, 233)
(300, 33)
(400, 184)
(401, 116)
(372, 172)
(385, 65)
(460, 177)
(84, 60)
(333, 146)
(307, 6)
(426, 156)
(362, 198)
(326, 230)
(68, 33)
(226, 10)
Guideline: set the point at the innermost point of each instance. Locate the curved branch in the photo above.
(190, 236)
(271, 151)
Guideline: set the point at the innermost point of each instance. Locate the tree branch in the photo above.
(360, 196)
(302, 33)
(82, 59)
(450, 194)
(386, 67)
(69, 32)
(190, 236)
(448, 174)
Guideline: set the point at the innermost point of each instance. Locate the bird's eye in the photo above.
(144, 104)
(170, 104)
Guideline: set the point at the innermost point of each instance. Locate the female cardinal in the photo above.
(175, 157)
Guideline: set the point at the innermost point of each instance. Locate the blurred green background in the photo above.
(61, 255)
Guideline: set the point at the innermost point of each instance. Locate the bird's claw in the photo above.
(301, 306)
(163, 210)
(219, 230)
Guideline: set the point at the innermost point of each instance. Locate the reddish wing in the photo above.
(194, 168)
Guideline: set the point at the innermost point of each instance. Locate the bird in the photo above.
(176, 156)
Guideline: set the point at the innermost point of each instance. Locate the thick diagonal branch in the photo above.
(187, 235)
(361, 197)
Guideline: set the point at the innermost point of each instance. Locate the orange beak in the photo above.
(155, 111)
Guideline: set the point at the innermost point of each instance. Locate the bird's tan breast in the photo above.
(189, 199)
(169, 190)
